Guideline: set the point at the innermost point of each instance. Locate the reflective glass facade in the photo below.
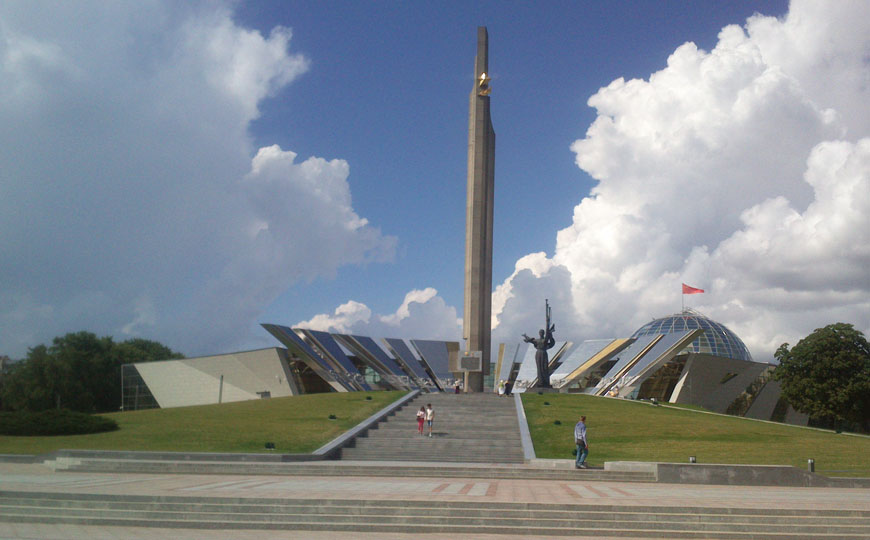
(135, 394)
(434, 354)
(717, 339)
(578, 356)
(404, 356)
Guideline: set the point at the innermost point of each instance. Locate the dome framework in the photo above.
(717, 339)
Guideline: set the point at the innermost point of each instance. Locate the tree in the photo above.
(79, 371)
(34, 383)
(827, 376)
(5, 366)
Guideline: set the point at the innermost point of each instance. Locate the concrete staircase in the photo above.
(332, 468)
(468, 428)
(413, 517)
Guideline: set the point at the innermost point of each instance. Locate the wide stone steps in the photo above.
(470, 428)
(436, 456)
(437, 441)
(448, 425)
(458, 419)
(440, 438)
(453, 433)
(480, 414)
(412, 516)
(370, 468)
(440, 455)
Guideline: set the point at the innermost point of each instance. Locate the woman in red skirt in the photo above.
(421, 417)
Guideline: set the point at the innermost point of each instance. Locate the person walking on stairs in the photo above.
(430, 416)
(582, 445)
(421, 417)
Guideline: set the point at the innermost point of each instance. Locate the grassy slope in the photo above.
(618, 430)
(635, 431)
(295, 424)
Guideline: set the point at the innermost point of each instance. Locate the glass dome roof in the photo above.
(717, 339)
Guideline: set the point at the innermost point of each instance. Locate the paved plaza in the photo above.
(39, 478)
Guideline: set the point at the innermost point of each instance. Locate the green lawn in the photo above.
(618, 430)
(622, 430)
(297, 424)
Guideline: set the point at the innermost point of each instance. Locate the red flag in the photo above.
(691, 290)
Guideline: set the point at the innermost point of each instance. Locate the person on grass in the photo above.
(582, 444)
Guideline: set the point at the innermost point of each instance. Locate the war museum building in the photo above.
(683, 358)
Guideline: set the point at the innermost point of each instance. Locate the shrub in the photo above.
(53, 422)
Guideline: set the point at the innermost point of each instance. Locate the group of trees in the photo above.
(78, 371)
(827, 376)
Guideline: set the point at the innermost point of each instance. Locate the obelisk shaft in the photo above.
(479, 206)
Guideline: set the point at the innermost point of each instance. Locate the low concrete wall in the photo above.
(273, 457)
(525, 436)
(330, 449)
(631, 466)
(19, 458)
(753, 475)
(549, 463)
(734, 475)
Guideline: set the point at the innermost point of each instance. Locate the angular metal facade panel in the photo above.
(372, 347)
(667, 342)
(625, 358)
(331, 348)
(435, 355)
(508, 363)
(527, 375)
(581, 353)
(404, 356)
(604, 355)
(527, 372)
(368, 351)
(663, 352)
(301, 350)
(713, 382)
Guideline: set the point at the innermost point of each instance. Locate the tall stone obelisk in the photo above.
(478, 221)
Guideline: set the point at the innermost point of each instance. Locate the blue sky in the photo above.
(184, 172)
(388, 91)
(394, 104)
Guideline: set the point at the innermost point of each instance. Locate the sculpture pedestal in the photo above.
(474, 382)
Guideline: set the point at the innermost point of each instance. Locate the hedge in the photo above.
(53, 422)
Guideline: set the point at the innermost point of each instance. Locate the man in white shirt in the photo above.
(430, 415)
(580, 441)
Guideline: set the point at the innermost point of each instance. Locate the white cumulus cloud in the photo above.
(422, 315)
(132, 200)
(742, 170)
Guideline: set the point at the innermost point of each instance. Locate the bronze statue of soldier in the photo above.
(542, 344)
